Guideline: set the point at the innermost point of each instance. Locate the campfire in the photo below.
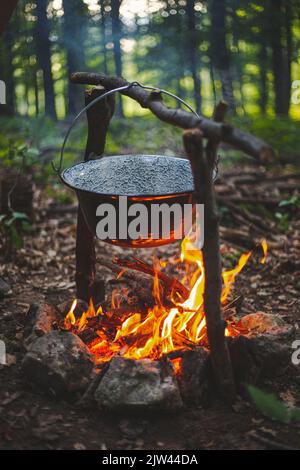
(175, 323)
(182, 343)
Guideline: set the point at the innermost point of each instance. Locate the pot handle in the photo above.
(58, 168)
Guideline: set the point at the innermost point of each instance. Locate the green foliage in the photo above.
(282, 133)
(273, 408)
(19, 156)
(12, 228)
(283, 221)
(289, 210)
(293, 201)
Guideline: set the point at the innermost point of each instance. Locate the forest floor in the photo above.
(43, 270)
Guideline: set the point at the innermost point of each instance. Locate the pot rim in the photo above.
(114, 195)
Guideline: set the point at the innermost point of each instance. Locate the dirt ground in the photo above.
(44, 270)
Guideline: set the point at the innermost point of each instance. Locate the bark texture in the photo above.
(98, 121)
(243, 141)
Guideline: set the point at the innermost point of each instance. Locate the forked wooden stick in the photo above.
(98, 121)
(202, 162)
(212, 129)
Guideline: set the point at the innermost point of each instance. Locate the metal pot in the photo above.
(146, 179)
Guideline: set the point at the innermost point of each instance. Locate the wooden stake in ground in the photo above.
(203, 162)
(98, 121)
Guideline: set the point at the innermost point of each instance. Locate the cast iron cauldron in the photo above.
(146, 179)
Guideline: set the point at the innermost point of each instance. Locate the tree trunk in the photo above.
(219, 51)
(36, 93)
(279, 59)
(192, 52)
(117, 34)
(43, 46)
(289, 47)
(103, 37)
(73, 42)
(263, 67)
(7, 9)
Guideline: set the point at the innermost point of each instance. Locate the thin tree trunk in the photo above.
(192, 52)
(279, 59)
(103, 37)
(36, 93)
(117, 34)
(238, 72)
(7, 9)
(219, 50)
(263, 64)
(289, 48)
(73, 42)
(43, 46)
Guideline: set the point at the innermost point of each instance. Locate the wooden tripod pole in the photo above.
(98, 117)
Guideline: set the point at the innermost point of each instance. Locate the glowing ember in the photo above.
(161, 329)
(177, 365)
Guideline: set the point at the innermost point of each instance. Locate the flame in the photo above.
(162, 329)
(176, 363)
(70, 319)
(265, 250)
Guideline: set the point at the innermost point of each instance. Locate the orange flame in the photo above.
(70, 319)
(162, 329)
(265, 250)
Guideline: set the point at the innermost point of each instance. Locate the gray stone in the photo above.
(258, 356)
(193, 377)
(59, 362)
(138, 384)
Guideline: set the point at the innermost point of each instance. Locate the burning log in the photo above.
(98, 121)
(211, 129)
(171, 284)
(40, 321)
(202, 167)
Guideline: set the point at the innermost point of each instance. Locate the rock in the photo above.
(258, 356)
(193, 377)
(261, 322)
(40, 320)
(4, 288)
(138, 384)
(59, 362)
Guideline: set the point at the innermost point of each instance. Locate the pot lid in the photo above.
(132, 175)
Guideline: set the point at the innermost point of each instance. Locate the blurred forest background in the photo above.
(243, 51)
